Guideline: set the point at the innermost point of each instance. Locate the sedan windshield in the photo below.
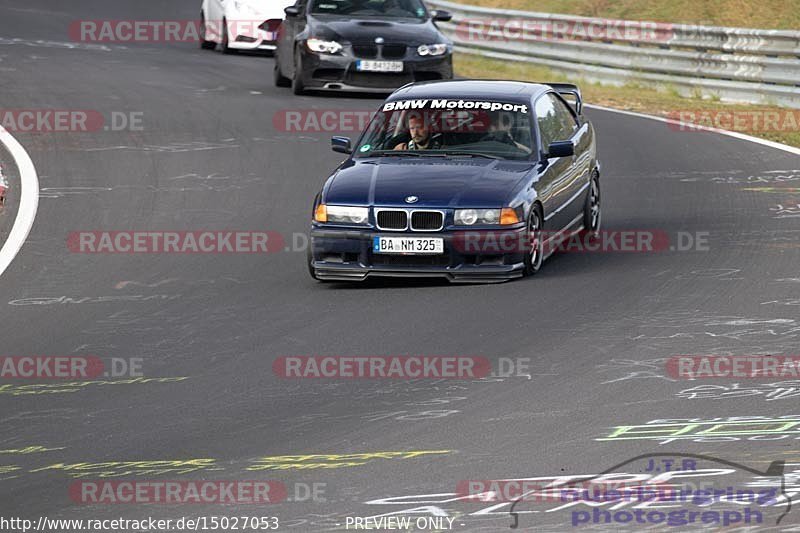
(449, 127)
(370, 8)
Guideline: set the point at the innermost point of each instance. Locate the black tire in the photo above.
(297, 83)
(224, 47)
(534, 257)
(592, 212)
(205, 45)
(280, 79)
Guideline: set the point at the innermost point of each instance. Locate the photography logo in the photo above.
(695, 490)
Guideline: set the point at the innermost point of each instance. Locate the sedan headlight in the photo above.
(471, 217)
(432, 49)
(323, 47)
(341, 214)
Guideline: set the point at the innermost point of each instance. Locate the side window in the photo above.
(548, 120)
(568, 124)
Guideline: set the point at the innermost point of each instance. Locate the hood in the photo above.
(366, 30)
(437, 183)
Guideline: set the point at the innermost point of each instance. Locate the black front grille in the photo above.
(378, 80)
(410, 260)
(365, 51)
(392, 220)
(394, 51)
(386, 51)
(426, 220)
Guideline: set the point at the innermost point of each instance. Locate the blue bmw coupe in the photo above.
(467, 180)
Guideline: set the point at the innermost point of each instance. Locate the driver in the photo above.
(421, 138)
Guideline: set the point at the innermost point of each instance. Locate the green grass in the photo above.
(631, 97)
(768, 14)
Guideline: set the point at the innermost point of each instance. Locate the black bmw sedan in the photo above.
(361, 45)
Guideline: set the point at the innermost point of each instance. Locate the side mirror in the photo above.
(291, 11)
(440, 15)
(560, 149)
(341, 145)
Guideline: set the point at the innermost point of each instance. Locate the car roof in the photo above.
(510, 91)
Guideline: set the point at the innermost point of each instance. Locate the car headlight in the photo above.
(471, 217)
(323, 47)
(432, 49)
(341, 214)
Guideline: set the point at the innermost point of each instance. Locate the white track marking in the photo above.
(29, 200)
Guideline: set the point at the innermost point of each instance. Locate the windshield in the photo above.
(455, 127)
(371, 8)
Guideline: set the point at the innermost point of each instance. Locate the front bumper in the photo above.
(259, 45)
(346, 255)
(339, 73)
(246, 35)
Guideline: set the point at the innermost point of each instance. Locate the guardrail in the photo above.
(734, 64)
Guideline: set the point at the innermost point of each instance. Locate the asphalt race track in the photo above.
(596, 327)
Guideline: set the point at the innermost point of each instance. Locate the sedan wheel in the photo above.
(297, 81)
(226, 49)
(592, 214)
(280, 79)
(535, 255)
(205, 44)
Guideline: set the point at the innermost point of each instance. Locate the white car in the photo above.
(241, 24)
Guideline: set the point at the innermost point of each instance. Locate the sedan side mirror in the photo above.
(440, 15)
(560, 149)
(291, 11)
(341, 145)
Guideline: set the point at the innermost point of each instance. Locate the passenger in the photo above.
(500, 131)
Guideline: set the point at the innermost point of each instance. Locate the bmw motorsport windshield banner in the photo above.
(454, 104)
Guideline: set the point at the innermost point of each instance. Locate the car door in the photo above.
(288, 32)
(554, 175)
(579, 132)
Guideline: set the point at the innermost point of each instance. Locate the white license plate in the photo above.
(379, 66)
(408, 245)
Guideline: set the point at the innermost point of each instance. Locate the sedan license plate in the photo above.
(379, 66)
(408, 245)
